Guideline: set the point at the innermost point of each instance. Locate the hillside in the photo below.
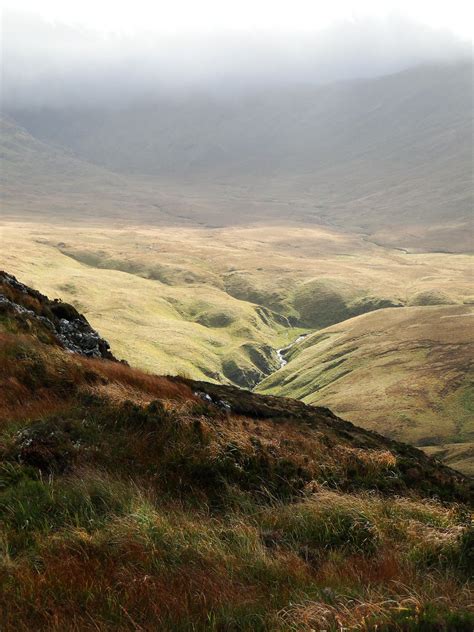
(204, 507)
(44, 179)
(390, 157)
(215, 304)
(404, 372)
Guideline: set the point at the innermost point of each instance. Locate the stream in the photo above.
(281, 351)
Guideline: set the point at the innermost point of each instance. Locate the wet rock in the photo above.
(220, 403)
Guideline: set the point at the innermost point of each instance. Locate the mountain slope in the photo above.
(43, 179)
(216, 303)
(406, 372)
(392, 152)
(196, 506)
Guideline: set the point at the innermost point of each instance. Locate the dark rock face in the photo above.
(60, 320)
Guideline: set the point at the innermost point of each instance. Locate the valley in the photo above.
(206, 251)
(261, 285)
(236, 317)
(408, 371)
(151, 489)
(217, 304)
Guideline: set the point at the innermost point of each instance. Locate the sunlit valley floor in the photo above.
(388, 338)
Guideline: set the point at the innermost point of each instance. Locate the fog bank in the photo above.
(52, 64)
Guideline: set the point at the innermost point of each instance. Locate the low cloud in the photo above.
(48, 64)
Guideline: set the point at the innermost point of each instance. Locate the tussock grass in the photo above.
(142, 564)
(129, 503)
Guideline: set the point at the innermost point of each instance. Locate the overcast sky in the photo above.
(163, 15)
(91, 51)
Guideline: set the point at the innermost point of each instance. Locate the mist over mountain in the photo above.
(365, 124)
(54, 64)
(389, 156)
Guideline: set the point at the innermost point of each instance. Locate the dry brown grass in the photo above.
(22, 363)
(153, 386)
(150, 570)
(379, 606)
(136, 597)
(37, 380)
(181, 515)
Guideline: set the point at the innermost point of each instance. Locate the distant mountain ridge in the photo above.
(367, 155)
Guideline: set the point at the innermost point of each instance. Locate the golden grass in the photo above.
(123, 377)
(378, 607)
(185, 301)
(37, 381)
(149, 290)
(172, 569)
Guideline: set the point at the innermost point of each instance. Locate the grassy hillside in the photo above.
(215, 304)
(135, 502)
(404, 372)
(391, 157)
(152, 319)
(153, 262)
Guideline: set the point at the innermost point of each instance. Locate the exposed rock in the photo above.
(46, 448)
(70, 328)
(220, 403)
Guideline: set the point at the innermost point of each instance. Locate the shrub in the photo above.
(250, 470)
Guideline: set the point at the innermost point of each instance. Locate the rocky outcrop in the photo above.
(54, 318)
